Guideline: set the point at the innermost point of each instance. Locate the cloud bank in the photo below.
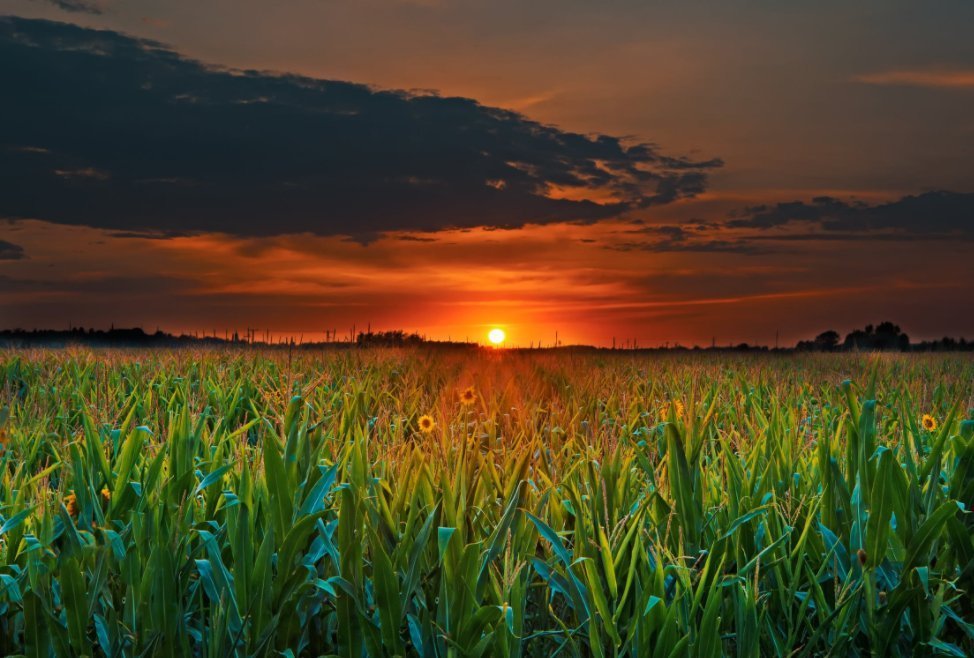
(931, 214)
(110, 131)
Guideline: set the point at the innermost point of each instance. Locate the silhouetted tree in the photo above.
(397, 338)
(886, 336)
(827, 340)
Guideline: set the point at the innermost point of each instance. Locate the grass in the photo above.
(250, 504)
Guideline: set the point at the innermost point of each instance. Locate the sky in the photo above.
(658, 172)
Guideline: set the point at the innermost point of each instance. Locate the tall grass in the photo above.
(248, 504)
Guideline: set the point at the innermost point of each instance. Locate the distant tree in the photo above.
(889, 336)
(827, 340)
(397, 338)
(859, 339)
(885, 336)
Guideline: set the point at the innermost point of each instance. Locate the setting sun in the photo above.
(496, 336)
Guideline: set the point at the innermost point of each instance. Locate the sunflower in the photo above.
(929, 422)
(106, 495)
(426, 424)
(676, 405)
(71, 504)
(468, 396)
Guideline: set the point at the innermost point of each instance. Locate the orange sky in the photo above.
(531, 282)
(773, 107)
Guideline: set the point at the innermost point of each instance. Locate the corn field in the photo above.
(485, 503)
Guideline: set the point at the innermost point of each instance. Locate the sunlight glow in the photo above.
(496, 336)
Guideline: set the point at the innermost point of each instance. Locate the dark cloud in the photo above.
(415, 238)
(77, 6)
(698, 246)
(10, 251)
(110, 131)
(104, 286)
(822, 236)
(149, 235)
(932, 214)
(686, 238)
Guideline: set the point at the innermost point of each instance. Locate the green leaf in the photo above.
(277, 487)
(443, 537)
(75, 601)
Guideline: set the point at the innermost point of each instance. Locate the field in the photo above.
(437, 503)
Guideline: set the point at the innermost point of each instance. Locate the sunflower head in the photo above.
(468, 396)
(71, 504)
(675, 405)
(426, 424)
(929, 422)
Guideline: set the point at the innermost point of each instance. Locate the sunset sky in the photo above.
(660, 171)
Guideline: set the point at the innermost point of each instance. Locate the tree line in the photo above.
(884, 337)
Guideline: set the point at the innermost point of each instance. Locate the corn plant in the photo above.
(436, 503)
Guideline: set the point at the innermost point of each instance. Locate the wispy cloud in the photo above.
(933, 78)
(78, 6)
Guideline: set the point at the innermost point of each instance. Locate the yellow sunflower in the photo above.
(468, 396)
(71, 504)
(676, 405)
(929, 422)
(426, 424)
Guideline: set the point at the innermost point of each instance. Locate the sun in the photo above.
(496, 336)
